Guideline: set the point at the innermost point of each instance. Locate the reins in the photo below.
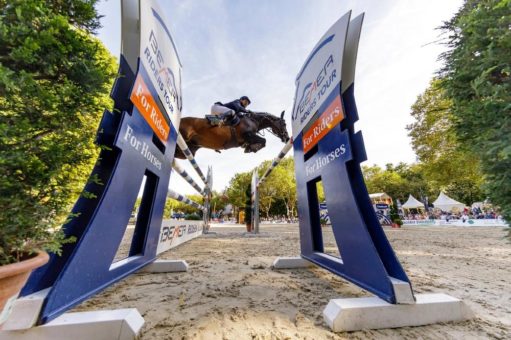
(263, 117)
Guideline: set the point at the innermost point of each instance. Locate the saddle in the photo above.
(215, 120)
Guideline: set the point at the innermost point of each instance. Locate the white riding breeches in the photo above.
(219, 109)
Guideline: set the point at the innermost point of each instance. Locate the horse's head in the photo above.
(281, 130)
(278, 126)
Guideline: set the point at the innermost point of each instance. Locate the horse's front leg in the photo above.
(255, 142)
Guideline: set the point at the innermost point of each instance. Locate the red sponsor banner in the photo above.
(332, 116)
(145, 103)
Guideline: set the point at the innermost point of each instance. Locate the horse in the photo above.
(199, 133)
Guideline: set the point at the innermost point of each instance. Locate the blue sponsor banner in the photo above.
(319, 75)
(133, 153)
(134, 148)
(382, 206)
(366, 257)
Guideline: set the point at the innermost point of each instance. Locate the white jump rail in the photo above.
(188, 154)
(184, 199)
(277, 160)
(208, 183)
(189, 179)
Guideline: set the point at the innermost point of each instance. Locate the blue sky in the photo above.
(256, 48)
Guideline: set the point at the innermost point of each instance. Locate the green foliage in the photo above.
(54, 83)
(218, 201)
(397, 181)
(235, 192)
(193, 217)
(477, 77)
(277, 194)
(446, 164)
(173, 206)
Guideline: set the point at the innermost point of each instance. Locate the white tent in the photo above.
(446, 203)
(412, 203)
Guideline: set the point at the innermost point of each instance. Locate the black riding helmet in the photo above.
(246, 98)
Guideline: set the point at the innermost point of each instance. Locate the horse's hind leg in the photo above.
(192, 146)
(178, 153)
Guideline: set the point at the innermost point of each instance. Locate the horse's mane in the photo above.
(258, 116)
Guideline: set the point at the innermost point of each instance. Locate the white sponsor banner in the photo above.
(418, 222)
(174, 233)
(474, 223)
(320, 74)
(159, 57)
(459, 223)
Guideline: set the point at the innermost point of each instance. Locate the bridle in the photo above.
(272, 124)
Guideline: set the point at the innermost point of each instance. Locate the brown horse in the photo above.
(199, 133)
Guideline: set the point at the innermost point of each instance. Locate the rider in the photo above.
(231, 111)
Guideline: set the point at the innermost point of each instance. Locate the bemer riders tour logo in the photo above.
(164, 76)
(314, 91)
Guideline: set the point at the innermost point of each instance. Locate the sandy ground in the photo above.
(230, 292)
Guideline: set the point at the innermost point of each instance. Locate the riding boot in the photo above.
(226, 117)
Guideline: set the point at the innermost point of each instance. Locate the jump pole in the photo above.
(188, 178)
(208, 181)
(186, 200)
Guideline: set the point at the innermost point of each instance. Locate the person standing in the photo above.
(248, 208)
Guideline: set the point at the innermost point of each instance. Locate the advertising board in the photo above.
(174, 233)
(320, 75)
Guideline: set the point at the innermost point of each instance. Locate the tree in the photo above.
(477, 73)
(398, 181)
(387, 181)
(235, 192)
(288, 186)
(218, 202)
(416, 182)
(268, 191)
(446, 163)
(279, 188)
(55, 77)
(171, 206)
